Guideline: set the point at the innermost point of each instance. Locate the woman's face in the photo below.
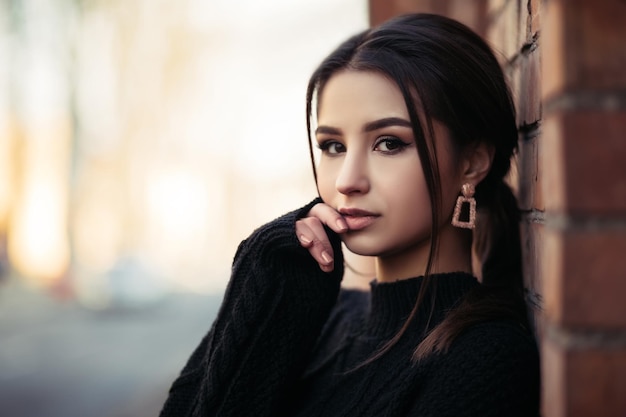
(370, 170)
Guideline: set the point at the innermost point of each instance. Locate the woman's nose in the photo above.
(353, 177)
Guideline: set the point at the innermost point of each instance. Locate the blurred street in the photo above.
(58, 359)
(138, 147)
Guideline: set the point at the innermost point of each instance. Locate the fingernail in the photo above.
(305, 239)
(326, 257)
(341, 224)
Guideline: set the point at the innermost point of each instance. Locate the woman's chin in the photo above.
(360, 247)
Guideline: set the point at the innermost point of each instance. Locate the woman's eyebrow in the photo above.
(369, 127)
(386, 122)
(327, 130)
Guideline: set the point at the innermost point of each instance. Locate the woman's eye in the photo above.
(332, 147)
(390, 145)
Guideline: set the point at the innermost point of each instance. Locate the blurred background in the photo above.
(140, 141)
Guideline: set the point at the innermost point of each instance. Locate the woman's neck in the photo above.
(454, 255)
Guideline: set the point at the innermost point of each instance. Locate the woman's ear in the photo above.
(477, 163)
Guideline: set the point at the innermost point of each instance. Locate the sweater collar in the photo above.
(391, 302)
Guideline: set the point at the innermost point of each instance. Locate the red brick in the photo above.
(530, 21)
(583, 277)
(583, 44)
(529, 100)
(538, 194)
(381, 10)
(583, 382)
(582, 161)
(532, 245)
(472, 13)
(513, 73)
(534, 14)
(532, 240)
(553, 380)
(530, 192)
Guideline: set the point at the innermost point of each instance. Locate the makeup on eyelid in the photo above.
(393, 144)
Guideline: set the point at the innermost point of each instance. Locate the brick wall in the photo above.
(512, 28)
(566, 62)
(584, 177)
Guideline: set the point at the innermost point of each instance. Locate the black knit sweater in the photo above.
(286, 342)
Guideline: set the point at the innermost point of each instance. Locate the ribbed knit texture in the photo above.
(285, 344)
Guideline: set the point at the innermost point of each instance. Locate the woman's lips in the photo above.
(358, 219)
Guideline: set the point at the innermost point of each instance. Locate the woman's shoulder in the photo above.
(491, 366)
(493, 347)
(498, 334)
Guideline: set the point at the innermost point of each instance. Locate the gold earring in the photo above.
(467, 197)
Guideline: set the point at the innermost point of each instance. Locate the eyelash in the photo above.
(400, 144)
(326, 145)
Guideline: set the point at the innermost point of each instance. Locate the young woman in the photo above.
(414, 120)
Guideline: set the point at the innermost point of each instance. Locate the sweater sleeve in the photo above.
(274, 307)
(491, 370)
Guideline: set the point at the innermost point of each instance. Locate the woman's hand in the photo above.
(311, 233)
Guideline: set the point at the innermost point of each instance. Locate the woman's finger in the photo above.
(329, 216)
(311, 234)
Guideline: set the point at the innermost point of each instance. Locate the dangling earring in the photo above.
(467, 197)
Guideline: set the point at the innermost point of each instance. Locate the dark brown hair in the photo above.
(458, 81)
